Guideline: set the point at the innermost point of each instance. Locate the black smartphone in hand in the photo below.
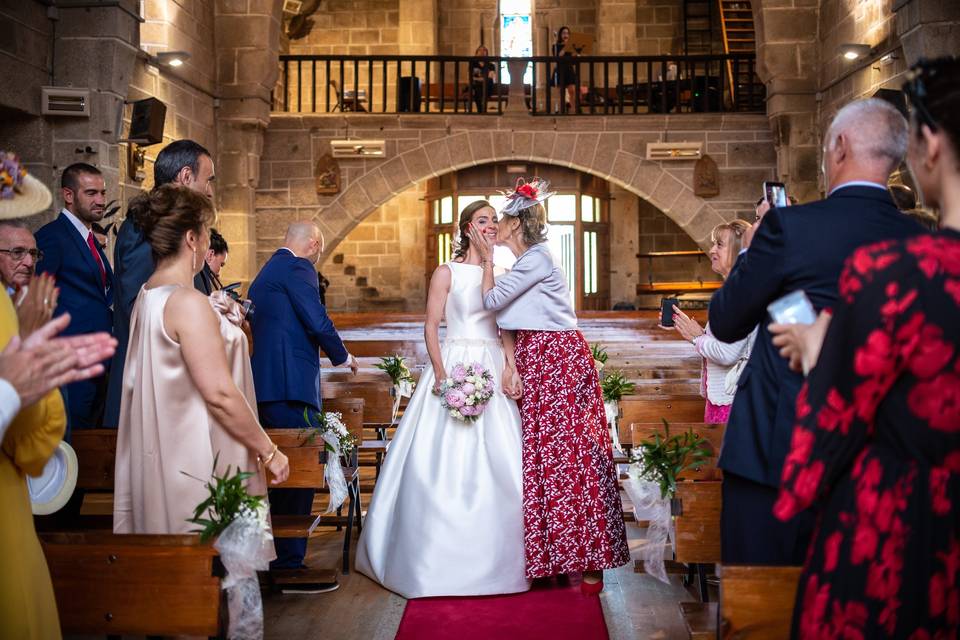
(666, 311)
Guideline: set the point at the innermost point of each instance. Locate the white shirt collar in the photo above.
(77, 223)
(858, 183)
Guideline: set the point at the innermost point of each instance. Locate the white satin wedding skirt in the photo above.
(446, 517)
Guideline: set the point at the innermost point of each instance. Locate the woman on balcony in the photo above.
(722, 362)
(483, 74)
(565, 75)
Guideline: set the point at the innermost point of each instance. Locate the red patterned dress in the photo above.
(572, 516)
(877, 448)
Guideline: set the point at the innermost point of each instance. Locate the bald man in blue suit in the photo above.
(290, 327)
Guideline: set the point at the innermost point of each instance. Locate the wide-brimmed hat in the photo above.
(21, 194)
(52, 489)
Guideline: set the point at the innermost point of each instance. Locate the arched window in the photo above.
(578, 233)
(516, 35)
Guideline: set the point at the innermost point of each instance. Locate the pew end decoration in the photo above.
(467, 391)
(238, 521)
(600, 356)
(338, 440)
(657, 464)
(403, 382)
(614, 386)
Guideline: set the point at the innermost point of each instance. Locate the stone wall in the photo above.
(380, 265)
(58, 47)
(354, 27)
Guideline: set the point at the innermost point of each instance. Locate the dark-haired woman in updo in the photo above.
(181, 406)
(876, 447)
(573, 519)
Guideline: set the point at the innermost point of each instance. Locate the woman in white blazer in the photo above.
(722, 361)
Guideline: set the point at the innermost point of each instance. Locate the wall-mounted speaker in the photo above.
(146, 123)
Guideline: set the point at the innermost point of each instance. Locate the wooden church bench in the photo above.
(107, 584)
(756, 603)
(655, 408)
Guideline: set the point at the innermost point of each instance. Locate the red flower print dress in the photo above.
(572, 516)
(877, 448)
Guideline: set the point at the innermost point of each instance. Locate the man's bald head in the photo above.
(305, 240)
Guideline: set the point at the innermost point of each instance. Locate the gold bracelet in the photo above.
(265, 461)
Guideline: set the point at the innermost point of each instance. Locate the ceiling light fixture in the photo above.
(170, 58)
(855, 51)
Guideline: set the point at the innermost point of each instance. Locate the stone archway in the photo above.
(591, 153)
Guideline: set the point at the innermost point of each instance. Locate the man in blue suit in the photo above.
(800, 248)
(73, 256)
(182, 162)
(290, 326)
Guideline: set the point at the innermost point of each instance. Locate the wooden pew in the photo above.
(377, 412)
(108, 584)
(653, 409)
(756, 603)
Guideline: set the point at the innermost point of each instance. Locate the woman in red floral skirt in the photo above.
(573, 519)
(877, 444)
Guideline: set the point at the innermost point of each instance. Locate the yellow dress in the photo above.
(28, 610)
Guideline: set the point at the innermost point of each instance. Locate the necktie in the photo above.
(96, 258)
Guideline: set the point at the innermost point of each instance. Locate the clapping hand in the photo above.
(42, 362)
(800, 343)
(38, 305)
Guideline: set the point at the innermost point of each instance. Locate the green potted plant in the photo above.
(663, 459)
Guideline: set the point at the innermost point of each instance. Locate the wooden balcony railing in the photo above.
(605, 85)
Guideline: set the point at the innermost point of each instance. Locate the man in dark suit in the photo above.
(74, 257)
(799, 248)
(182, 162)
(290, 326)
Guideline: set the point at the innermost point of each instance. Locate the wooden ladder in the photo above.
(736, 26)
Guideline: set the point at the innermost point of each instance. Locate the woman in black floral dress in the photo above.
(877, 444)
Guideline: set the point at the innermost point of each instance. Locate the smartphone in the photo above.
(666, 311)
(248, 308)
(775, 193)
(793, 308)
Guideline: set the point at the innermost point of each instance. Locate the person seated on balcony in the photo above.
(483, 74)
(565, 75)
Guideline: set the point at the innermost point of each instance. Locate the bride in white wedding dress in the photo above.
(446, 516)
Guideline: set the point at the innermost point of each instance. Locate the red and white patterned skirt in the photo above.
(572, 516)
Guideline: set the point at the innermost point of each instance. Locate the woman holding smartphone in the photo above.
(717, 383)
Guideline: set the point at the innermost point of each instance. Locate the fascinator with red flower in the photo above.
(524, 195)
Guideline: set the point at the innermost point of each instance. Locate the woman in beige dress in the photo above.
(188, 395)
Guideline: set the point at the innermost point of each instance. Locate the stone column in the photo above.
(95, 49)
(787, 63)
(928, 28)
(417, 31)
(248, 37)
(616, 27)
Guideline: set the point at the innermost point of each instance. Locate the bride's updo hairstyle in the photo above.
(533, 224)
(466, 217)
(165, 214)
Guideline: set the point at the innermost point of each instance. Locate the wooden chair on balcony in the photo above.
(347, 100)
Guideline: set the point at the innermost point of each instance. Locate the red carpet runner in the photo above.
(546, 612)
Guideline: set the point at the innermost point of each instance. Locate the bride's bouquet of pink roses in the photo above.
(467, 391)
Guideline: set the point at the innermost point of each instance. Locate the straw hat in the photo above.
(21, 194)
(52, 489)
